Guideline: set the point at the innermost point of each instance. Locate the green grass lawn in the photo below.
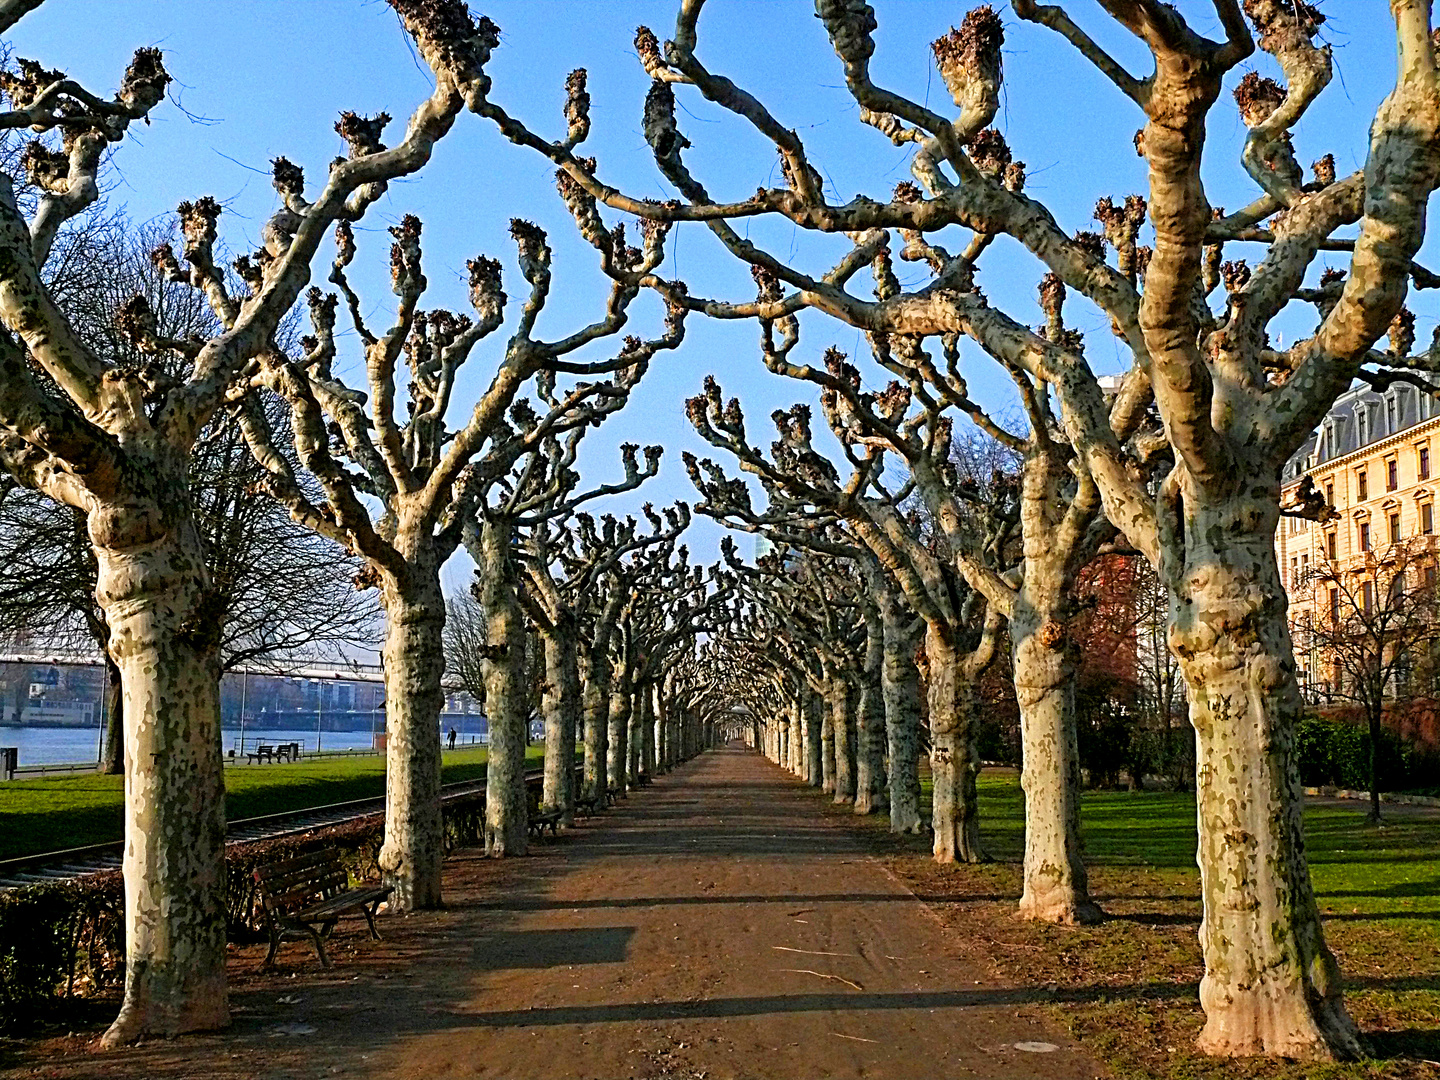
(1127, 988)
(71, 811)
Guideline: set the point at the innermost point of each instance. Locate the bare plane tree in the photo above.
(565, 561)
(538, 491)
(428, 482)
(963, 628)
(114, 440)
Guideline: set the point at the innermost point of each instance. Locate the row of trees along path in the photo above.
(1183, 459)
(890, 532)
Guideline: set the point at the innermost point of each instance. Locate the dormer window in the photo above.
(1362, 425)
(1392, 414)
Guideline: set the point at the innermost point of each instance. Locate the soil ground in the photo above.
(714, 925)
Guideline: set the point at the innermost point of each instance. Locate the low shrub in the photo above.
(66, 939)
(1334, 751)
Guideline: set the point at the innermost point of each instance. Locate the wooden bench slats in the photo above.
(305, 897)
(343, 903)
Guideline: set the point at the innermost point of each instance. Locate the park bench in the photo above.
(262, 752)
(644, 779)
(612, 794)
(289, 751)
(539, 820)
(587, 804)
(305, 896)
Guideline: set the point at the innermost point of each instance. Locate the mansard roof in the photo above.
(1360, 417)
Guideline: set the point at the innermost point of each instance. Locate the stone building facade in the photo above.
(1376, 459)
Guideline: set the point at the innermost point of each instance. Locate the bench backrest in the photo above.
(299, 882)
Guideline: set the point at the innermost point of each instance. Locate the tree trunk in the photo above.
(801, 737)
(1056, 889)
(112, 761)
(900, 683)
(870, 719)
(597, 702)
(844, 739)
(619, 732)
(506, 700)
(165, 638)
(637, 737)
(954, 706)
(561, 705)
(662, 729)
(1271, 985)
(645, 698)
(827, 743)
(414, 662)
(802, 728)
(814, 737)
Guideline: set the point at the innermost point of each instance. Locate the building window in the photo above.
(1364, 536)
(1427, 518)
(1430, 575)
(1330, 493)
(1395, 528)
(1362, 422)
(1294, 573)
(1334, 605)
(1330, 546)
(1422, 465)
(1362, 486)
(1390, 415)
(1304, 569)
(1367, 596)
(1392, 475)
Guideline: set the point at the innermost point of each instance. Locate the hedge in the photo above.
(1335, 752)
(66, 939)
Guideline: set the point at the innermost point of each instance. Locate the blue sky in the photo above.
(260, 78)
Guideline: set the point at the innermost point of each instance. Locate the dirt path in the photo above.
(715, 925)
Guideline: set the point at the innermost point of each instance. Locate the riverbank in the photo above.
(72, 811)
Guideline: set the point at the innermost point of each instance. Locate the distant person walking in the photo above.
(452, 738)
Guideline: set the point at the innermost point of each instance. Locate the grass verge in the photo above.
(72, 811)
(1128, 989)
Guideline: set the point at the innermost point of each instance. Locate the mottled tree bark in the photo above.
(642, 734)
(901, 686)
(414, 661)
(1055, 883)
(164, 639)
(843, 739)
(561, 708)
(795, 712)
(506, 704)
(954, 708)
(814, 736)
(827, 740)
(664, 730)
(598, 676)
(1270, 981)
(619, 734)
(870, 718)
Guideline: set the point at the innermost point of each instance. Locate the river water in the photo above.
(58, 746)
